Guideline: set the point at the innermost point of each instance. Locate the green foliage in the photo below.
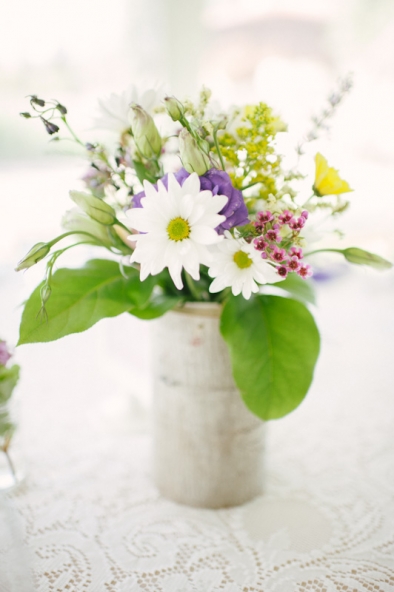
(251, 153)
(157, 306)
(7, 427)
(300, 289)
(8, 380)
(143, 173)
(274, 344)
(80, 298)
(361, 257)
(94, 207)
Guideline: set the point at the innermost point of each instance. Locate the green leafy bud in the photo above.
(25, 114)
(94, 207)
(193, 159)
(145, 133)
(79, 221)
(61, 108)
(36, 253)
(45, 293)
(174, 108)
(36, 101)
(361, 257)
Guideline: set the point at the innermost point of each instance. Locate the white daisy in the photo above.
(237, 265)
(114, 110)
(178, 224)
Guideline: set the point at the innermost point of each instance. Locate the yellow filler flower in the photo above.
(327, 179)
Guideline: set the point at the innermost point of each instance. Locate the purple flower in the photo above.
(4, 353)
(219, 183)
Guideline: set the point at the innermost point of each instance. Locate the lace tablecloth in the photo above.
(94, 522)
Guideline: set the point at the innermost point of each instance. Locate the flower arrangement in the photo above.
(194, 204)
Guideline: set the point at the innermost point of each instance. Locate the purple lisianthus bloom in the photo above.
(4, 353)
(219, 183)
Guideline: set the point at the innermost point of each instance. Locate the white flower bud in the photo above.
(174, 108)
(36, 253)
(146, 136)
(193, 159)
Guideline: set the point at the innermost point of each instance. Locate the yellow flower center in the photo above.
(242, 259)
(178, 229)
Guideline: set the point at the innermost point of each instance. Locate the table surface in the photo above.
(92, 520)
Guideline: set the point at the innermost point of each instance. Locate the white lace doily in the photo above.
(94, 522)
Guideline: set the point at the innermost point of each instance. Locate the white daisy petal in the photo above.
(237, 264)
(191, 185)
(177, 225)
(205, 235)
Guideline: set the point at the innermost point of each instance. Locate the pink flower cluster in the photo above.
(288, 259)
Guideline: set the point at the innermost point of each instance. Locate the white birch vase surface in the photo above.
(208, 447)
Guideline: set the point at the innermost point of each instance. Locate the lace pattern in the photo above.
(93, 520)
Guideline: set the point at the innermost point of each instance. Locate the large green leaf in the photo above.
(156, 307)
(80, 298)
(298, 287)
(274, 345)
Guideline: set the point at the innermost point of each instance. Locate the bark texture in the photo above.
(208, 447)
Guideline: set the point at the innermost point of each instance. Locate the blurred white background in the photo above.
(287, 53)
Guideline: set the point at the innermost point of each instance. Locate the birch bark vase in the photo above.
(208, 447)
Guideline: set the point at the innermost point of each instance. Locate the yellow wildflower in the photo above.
(327, 179)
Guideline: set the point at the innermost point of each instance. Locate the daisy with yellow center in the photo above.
(177, 225)
(239, 266)
(327, 179)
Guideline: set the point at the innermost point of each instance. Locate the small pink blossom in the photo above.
(305, 214)
(264, 217)
(286, 217)
(4, 353)
(282, 271)
(273, 235)
(305, 271)
(296, 252)
(260, 243)
(297, 223)
(278, 255)
(294, 263)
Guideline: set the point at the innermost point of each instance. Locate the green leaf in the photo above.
(7, 427)
(142, 172)
(80, 298)
(94, 207)
(156, 307)
(299, 288)
(361, 257)
(274, 344)
(8, 380)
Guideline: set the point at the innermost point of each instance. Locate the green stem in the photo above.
(323, 251)
(192, 286)
(250, 185)
(223, 295)
(10, 464)
(309, 199)
(215, 139)
(72, 132)
(64, 235)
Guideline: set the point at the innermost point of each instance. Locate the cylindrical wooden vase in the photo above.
(208, 447)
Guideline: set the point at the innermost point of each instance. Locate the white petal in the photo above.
(150, 191)
(191, 185)
(218, 285)
(204, 235)
(186, 206)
